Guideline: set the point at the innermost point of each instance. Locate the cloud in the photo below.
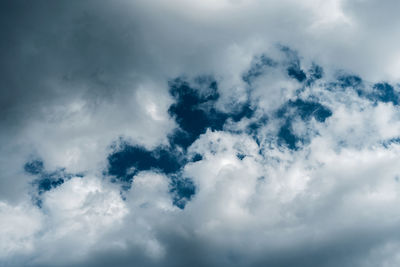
(17, 235)
(203, 133)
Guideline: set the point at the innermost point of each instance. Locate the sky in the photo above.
(200, 133)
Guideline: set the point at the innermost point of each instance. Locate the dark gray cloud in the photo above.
(55, 52)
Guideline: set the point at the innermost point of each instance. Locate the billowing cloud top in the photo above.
(200, 133)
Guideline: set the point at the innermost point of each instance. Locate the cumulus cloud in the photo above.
(202, 133)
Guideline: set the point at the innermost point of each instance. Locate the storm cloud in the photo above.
(199, 133)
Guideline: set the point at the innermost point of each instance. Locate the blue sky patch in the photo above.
(286, 136)
(130, 160)
(303, 109)
(194, 111)
(384, 92)
(125, 163)
(294, 69)
(46, 180)
(295, 72)
(182, 190)
(315, 73)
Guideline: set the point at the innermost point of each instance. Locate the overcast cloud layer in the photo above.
(200, 133)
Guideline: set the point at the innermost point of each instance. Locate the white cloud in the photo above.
(19, 224)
